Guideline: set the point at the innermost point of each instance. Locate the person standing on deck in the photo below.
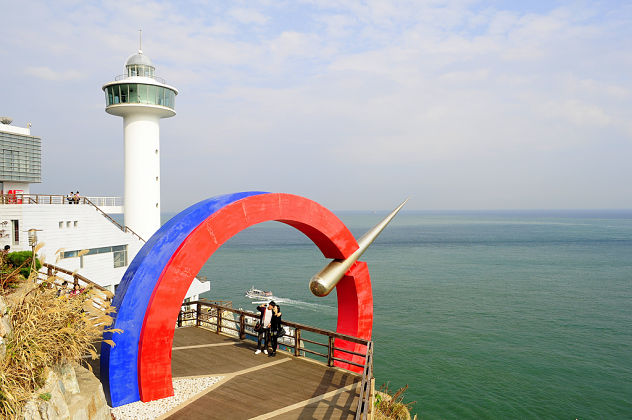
(264, 331)
(275, 328)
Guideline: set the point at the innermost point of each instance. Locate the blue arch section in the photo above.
(119, 364)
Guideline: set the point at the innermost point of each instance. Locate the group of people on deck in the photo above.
(73, 197)
(270, 328)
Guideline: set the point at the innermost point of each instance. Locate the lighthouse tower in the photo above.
(142, 99)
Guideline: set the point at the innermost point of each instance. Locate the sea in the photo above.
(482, 314)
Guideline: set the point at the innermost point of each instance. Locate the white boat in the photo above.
(258, 294)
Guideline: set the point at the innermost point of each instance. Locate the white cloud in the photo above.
(47, 73)
(247, 16)
(577, 112)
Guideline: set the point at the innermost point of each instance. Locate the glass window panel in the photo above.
(159, 95)
(124, 93)
(120, 258)
(151, 94)
(116, 91)
(133, 94)
(104, 250)
(143, 89)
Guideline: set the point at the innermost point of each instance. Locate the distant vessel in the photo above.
(258, 294)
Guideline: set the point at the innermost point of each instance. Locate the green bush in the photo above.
(21, 257)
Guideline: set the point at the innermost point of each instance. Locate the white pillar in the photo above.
(142, 173)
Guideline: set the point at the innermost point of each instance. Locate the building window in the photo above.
(120, 256)
(76, 223)
(119, 253)
(16, 231)
(68, 224)
(81, 261)
(61, 225)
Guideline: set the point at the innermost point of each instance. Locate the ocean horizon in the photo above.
(483, 314)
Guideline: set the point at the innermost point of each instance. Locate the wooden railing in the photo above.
(366, 386)
(70, 277)
(98, 299)
(223, 319)
(211, 315)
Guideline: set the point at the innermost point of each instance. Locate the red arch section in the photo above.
(355, 299)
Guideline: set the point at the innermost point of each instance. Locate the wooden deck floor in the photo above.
(258, 386)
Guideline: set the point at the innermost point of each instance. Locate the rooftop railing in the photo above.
(68, 200)
(126, 76)
(59, 199)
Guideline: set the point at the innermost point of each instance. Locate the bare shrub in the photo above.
(392, 406)
(48, 330)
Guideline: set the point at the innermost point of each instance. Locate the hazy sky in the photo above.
(355, 104)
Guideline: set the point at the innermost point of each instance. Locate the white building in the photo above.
(20, 159)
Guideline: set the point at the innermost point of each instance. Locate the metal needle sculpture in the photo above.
(149, 296)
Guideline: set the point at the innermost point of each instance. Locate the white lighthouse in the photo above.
(142, 99)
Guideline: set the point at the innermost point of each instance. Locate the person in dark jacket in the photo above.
(275, 327)
(264, 332)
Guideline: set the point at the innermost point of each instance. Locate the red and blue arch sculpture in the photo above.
(149, 296)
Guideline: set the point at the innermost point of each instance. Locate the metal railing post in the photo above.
(219, 320)
(180, 318)
(242, 326)
(297, 340)
(198, 314)
(330, 352)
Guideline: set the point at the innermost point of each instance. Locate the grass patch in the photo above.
(392, 406)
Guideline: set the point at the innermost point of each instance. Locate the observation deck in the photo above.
(139, 89)
(213, 340)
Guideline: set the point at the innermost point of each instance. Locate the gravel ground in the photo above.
(183, 390)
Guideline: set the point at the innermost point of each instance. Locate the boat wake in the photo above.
(293, 302)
